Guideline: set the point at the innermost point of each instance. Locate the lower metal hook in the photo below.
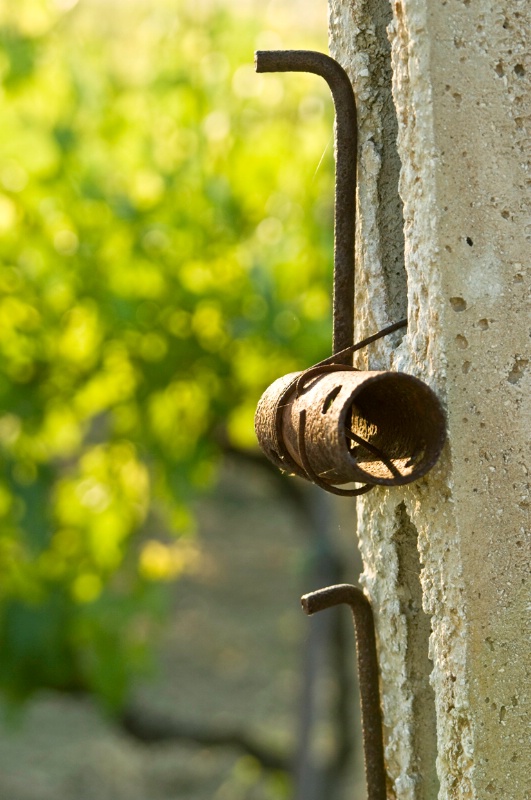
(371, 715)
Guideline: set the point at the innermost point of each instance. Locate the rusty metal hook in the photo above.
(371, 715)
(346, 149)
(394, 419)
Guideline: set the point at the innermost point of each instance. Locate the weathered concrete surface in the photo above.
(462, 99)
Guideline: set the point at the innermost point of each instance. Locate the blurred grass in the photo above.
(232, 649)
(165, 251)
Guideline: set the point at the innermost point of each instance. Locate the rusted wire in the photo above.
(368, 676)
(375, 452)
(332, 360)
(331, 364)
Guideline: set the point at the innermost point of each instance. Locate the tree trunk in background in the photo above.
(444, 99)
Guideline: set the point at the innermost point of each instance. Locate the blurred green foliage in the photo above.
(166, 248)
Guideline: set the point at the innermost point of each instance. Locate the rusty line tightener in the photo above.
(346, 149)
(299, 383)
(368, 676)
(333, 424)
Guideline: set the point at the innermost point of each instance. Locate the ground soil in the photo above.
(231, 658)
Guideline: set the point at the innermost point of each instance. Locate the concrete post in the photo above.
(444, 96)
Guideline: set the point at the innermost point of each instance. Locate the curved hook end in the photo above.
(332, 596)
(267, 60)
